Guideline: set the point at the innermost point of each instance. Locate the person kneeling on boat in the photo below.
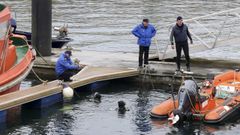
(65, 68)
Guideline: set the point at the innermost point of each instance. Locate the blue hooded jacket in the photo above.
(144, 34)
(63, 64)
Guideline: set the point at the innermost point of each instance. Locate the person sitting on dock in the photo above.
(181, 34)
(144, 32)
(65, 68)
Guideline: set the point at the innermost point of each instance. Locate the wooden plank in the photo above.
(87, 76)
(24, 96)
(93, 74)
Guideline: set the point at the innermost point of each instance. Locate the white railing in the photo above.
(206, 30)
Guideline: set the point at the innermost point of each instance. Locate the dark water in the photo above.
(82, 116)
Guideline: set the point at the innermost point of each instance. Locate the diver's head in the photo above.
(121, 104)
(97, 96)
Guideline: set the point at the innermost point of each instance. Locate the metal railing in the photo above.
(206, 30)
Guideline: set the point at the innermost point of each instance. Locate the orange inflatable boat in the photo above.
(216, 100)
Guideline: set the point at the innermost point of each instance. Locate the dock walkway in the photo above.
(86, 76)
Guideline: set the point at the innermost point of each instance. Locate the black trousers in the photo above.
(179, 47)
(65, 76)
(143, 51)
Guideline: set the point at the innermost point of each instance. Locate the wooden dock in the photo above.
(86, 76)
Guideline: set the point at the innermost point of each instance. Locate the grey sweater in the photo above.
(180, 34)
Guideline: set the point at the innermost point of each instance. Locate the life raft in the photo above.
(216, 101)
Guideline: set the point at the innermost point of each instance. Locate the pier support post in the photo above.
(42, 26)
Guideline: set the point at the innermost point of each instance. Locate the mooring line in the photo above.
(42, 57)
(38, 77)
(147, 71)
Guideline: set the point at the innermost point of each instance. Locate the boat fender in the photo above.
(67, 91)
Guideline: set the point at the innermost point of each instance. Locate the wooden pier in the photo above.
(86, 76)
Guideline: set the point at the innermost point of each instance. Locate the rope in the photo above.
(183, 79)
(193, 107)
(147, 71)
(42, 57)
(172, 90)
(38, 77)
(75, 92)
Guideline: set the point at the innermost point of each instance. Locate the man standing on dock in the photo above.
(65, 68)
(181, 34)
(144, 32)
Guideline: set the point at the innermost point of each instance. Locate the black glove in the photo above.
(191, 42)
(172, 43)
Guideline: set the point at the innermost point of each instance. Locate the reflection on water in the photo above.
(83, 116)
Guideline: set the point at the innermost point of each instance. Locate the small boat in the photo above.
(57, 42)
(217, 100)
(16, 55)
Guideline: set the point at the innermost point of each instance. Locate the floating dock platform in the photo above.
(49, 93)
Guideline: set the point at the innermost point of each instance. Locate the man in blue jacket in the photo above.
(65, 68)
(144, 32)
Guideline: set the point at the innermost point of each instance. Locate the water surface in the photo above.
(82, 116)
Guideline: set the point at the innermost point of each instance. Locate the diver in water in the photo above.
(97, 97)
(121, 107)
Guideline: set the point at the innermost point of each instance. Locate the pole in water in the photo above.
(42, 26)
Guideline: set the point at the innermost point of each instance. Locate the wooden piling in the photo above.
(42, 26)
